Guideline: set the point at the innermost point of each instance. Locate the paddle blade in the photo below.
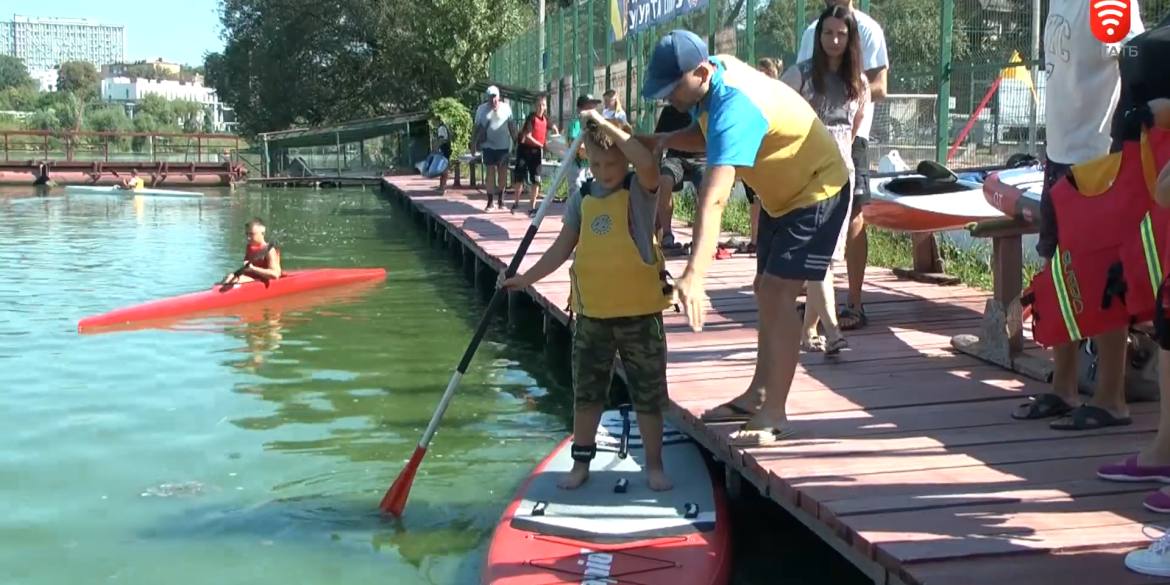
(394, 502)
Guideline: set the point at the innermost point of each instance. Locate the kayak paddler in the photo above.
(261, 261)
(133, 182)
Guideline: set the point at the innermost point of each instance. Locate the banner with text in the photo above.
(633, 16)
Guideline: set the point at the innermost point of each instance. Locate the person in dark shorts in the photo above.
(530, 152)
(677, 168)
(495, 131)
(618, 292)
(755, 128)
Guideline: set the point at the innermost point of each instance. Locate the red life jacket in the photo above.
(1144, 252)
(1101, 258)
(254, 249)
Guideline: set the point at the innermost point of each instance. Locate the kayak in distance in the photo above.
(263, 312)
(145, 191)
(219, 296)
(613, 528)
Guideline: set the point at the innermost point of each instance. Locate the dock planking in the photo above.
(906, 459)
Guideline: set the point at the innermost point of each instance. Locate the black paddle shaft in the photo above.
(497, 299)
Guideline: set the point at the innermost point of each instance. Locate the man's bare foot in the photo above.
(576, 477)
(658, 481)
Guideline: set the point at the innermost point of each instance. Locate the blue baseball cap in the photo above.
(678, 53)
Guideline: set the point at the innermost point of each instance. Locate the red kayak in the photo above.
(292, 282)
(614, 529)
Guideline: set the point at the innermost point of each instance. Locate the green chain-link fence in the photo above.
(947, 59)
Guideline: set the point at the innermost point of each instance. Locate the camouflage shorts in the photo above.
(641, 343)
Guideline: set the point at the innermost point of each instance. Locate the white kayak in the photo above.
(96, 190)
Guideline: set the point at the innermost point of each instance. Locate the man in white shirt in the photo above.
(496, 131)
(1082, 88)
(875, 61)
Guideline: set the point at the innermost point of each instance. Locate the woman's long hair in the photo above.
(850, 70)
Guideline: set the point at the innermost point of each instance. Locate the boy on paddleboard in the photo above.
(261, 262)
(618, 291)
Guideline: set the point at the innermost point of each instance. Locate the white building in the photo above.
(44, 43)
(130, 91)
(47, 79)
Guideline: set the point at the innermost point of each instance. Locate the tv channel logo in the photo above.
(1110, 19)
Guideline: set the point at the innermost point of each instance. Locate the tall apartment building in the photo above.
(44, 43)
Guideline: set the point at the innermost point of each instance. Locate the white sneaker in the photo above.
(1154, 560)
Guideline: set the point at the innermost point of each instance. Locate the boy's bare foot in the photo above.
(658, 481)
(576, 477)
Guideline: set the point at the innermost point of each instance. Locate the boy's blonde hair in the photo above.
(596, 138)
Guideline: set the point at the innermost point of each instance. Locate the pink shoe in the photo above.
(1158, 501)
(1130, 471)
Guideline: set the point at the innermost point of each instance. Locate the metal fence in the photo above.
(966, 85)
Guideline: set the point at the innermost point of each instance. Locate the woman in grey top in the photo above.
(835, 85)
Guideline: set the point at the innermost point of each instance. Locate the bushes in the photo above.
(458, 120)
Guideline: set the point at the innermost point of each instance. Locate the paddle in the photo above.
(395, 500)
(247, 262)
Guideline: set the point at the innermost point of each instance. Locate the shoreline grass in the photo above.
(887, 249)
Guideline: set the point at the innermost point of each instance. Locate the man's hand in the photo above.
(692, 297)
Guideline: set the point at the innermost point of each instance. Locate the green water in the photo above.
(255, 452)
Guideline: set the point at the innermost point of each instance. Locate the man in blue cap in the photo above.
(761, 130)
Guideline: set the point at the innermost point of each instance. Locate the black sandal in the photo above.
(1088, 418)
(1043, 406)
(854, 312)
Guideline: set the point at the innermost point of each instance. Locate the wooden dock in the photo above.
(907, 460)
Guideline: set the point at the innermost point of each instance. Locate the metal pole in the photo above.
(540, 41)
(946, 29)
(609, 49)
(751, 32)
(1033, 129)
(589, 45)
(337, 142)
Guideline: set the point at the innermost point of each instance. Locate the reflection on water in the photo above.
(249, 445)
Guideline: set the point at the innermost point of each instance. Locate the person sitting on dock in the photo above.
(495, 130)
(133, 182)
(1083, 84)
(530, 152)
(763, 131)
(443, 145)
(618, 292)
(261, 261)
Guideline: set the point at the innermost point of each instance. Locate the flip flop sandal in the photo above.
(813, 344)
(855, 314)
(836, 346)
(759, 437)
(737, 414)
(723, 254)
(1043, 406)
(1088, 418)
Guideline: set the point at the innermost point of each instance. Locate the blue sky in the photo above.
(176, 31)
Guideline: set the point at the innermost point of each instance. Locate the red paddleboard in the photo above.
(292, 282)
(602, 534)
